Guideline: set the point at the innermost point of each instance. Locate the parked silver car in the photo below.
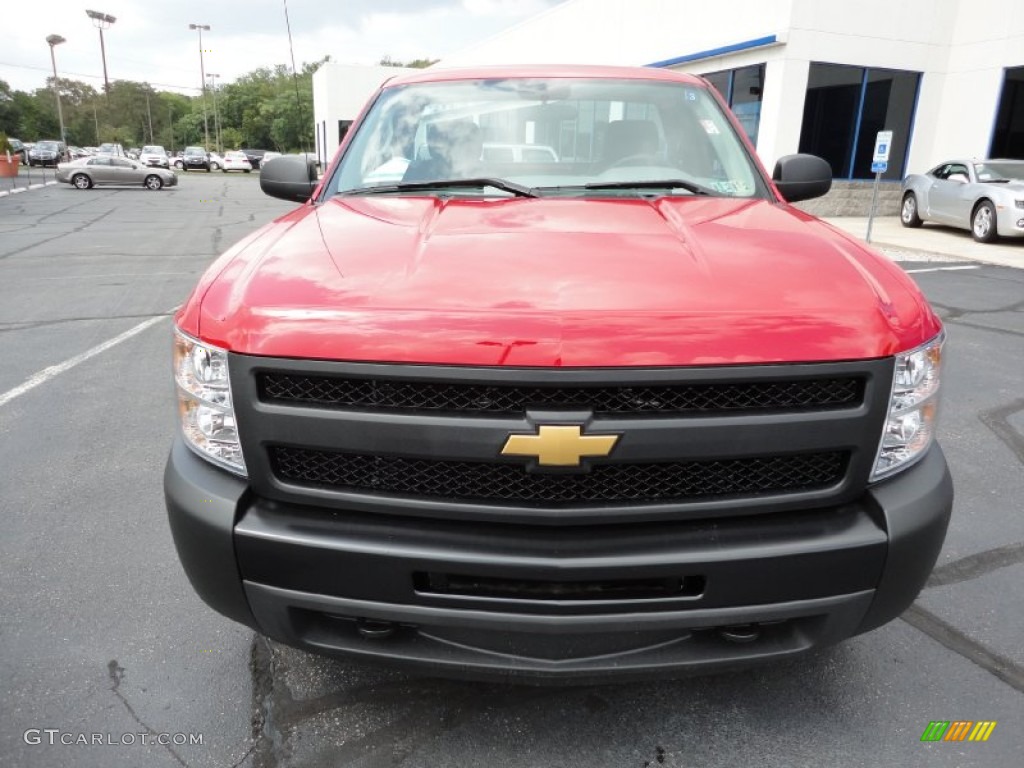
(107, 169)
(984, 196)
(154, 156)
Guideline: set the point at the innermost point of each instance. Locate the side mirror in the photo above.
(958, 177)
(289, 177)
(802, 177)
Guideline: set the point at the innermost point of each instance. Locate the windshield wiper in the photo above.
(410, 186)
(690, 186)
(668, 184)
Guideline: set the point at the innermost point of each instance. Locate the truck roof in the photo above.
(440, 74)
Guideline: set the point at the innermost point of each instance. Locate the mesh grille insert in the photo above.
(394, 394)
(509, 483)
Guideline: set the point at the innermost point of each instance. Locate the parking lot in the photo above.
(102, 634)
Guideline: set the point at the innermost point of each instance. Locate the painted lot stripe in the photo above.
(46, 374)
(942, 269)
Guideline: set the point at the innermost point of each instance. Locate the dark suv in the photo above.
(194, 158)
(46, 153)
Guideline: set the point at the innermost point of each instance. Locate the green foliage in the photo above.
(387, 61)
(267, 108)
(5, 144)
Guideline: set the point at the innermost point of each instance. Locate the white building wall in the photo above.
(988, 36)
(785, 83)
(626, 32)
(340, 91)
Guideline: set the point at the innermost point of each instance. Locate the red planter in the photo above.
(8, 168)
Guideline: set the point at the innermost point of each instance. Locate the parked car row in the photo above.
(52, 152)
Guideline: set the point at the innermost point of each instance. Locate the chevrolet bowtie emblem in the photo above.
(559, 446)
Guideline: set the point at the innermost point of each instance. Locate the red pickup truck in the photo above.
(610, 409)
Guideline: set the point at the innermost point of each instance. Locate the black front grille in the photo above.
(510, 483)
(396, 394)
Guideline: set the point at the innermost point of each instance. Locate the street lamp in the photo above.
(102, 21)
(216, 117)
(53, 41)
(202, 72)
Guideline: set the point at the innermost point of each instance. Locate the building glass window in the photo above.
(847, 106)
(1008, 137)
(742, 90)
(721, 81)
(747, 87)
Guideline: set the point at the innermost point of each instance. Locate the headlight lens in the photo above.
(204, 402)
(910, 427)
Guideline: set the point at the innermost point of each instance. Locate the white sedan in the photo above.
(236, 161)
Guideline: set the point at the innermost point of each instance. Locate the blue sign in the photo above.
(879, 167)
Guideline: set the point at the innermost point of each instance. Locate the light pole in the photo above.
(102, 21)
(202, 72)
(216, 117)
(53, 41)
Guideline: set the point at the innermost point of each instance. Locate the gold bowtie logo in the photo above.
(559, 446)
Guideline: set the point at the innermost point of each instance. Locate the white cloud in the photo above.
(151, 42)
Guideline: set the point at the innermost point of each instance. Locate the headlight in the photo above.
(910, 427)
(204, 402)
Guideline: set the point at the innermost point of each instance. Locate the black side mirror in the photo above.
(802, 177)
(289, 177)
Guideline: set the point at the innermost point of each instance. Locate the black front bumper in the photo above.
(355, 583)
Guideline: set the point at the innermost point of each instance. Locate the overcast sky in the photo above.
(151, 42)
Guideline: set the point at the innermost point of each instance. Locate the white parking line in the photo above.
(46, 374)
(941, 269)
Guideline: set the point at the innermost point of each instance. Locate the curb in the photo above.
(17, 190)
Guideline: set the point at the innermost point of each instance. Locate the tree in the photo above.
(268, 107)
(10, 112)
(387, 61)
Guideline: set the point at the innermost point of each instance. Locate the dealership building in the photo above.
(818, 76)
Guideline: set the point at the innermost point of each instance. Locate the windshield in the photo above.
(153, 150)
(49, 146)
(566, 136)
(1000, 170)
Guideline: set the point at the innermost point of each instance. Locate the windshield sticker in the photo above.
(709, 126)
(726, 187)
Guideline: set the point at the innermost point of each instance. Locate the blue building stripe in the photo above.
(744, 46)
(857, 120)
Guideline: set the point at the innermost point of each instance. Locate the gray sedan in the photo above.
(107, 169)
(984, 196)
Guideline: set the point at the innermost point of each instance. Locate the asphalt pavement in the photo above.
(102, 637)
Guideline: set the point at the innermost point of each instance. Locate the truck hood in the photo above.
(557, 282)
